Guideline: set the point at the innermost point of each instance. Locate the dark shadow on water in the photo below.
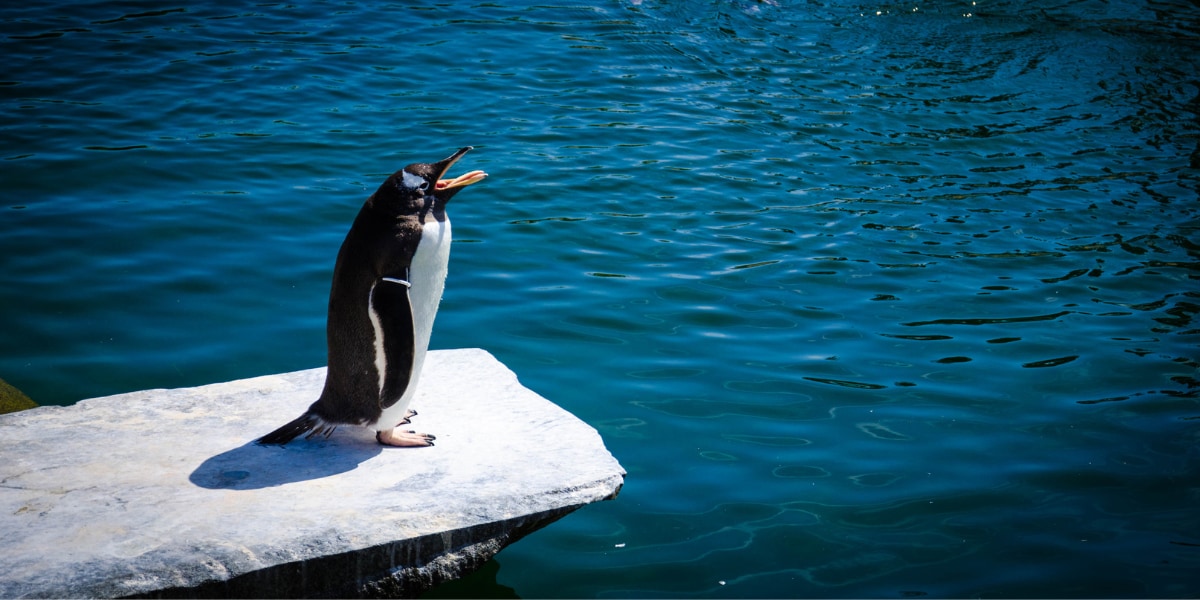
(480, 584)
(251, 466)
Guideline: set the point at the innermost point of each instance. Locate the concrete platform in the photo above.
(164, 493)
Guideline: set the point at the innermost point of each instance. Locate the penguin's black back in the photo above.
(378, 245)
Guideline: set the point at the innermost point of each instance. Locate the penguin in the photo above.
(387, 284)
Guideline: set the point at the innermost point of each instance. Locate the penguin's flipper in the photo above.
(305, 423)
(391, 306)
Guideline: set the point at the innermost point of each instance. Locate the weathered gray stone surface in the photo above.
(163, 492)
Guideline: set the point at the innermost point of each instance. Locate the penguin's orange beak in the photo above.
(457, 182)
(461, 181)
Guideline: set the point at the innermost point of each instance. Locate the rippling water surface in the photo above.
(871, 300)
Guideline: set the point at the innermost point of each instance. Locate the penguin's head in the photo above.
(421, 189)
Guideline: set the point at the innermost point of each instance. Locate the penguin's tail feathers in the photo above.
(306, 423)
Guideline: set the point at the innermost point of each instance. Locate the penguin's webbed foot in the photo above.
(404, 439)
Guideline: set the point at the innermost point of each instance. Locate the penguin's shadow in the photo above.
(252, 466)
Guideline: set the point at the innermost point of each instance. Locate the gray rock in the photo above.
(164, 493)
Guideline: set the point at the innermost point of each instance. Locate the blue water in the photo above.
(870, 299)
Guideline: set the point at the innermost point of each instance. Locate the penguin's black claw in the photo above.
(407, 418)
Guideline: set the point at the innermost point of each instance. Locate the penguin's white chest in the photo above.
(427, 279)
(427, 274)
